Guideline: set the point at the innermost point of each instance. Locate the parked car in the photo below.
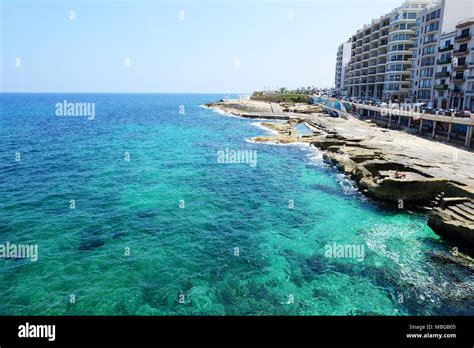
(425, 108)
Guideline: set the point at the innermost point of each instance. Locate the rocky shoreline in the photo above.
(390, 166)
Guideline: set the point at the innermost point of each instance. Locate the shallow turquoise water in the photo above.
(191, 251)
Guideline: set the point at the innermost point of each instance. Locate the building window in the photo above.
(432, 27)
(430, 38)
(445, 56)
(424, 94)
(425, 84)
(426, 72)
(433, 15)
(429, 50)
(427, 61)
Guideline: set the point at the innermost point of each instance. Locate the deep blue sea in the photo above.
(133, 214)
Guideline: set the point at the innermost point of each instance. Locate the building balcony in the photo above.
(462, 38)
(396, 91)
(460, 53)
(397, 61)
(402, 41)
(444, 61)
(441, 74)
(430, 31)
(446, 48)
(460, 67)
(441, 87)
(401, 52)
(398, 72)
(401, 82)
(458, 79)
(432, 20)
(401, 31)
(402, 20)
(429, 41)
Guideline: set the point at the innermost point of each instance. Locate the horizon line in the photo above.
(10, 92)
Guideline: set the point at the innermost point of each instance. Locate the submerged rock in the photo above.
(459, 259)
(91, 244)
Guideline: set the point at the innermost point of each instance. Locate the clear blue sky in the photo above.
(166, 54)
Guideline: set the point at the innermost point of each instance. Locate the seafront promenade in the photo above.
(397, 115)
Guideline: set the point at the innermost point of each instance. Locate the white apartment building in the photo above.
(381, 53)
(432, 26)
(462, 80)
(443, 72)
(342, 60)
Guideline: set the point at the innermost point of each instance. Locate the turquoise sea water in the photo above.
(191, 251)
